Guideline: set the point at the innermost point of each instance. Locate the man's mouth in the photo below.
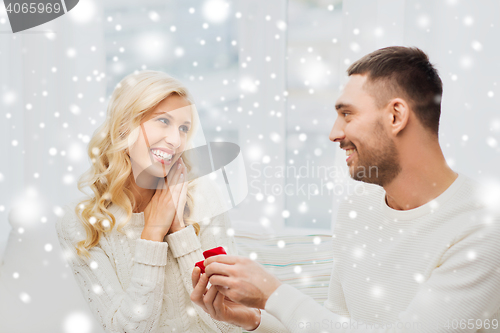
(349, 153)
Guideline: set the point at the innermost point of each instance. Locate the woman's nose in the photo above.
(173, 138)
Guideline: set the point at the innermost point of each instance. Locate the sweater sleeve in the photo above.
(134, 309)
(335, 303)
(464, 289)
(188, 249)
(336, 300)
(269, 324)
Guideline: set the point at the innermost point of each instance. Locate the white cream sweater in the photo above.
(134, 285)
(435, 268)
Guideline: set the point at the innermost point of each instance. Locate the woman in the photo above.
(133, 244)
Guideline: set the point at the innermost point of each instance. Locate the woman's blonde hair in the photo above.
(133, 99)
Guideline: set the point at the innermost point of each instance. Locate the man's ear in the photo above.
(399, 113)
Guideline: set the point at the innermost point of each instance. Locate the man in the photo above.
(417, 253)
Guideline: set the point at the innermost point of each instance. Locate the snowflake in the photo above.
(153, 16)
(377, 291)
(25, 298)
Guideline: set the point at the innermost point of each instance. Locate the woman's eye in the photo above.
(183, 128)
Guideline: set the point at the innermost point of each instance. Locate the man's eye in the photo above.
(345, 114)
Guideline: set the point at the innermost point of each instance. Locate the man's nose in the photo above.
(337, 132)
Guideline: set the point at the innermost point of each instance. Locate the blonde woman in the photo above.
(132, 245)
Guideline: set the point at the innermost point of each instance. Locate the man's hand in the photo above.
(240, 279)
(219, 307)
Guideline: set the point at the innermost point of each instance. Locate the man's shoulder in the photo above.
(474, 197)
(471, 208)
(482, 193)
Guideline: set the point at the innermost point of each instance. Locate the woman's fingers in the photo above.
(181, 197)
(173, 176)
(169, 181)
(165, 190)
(160, 188)
(180, 175)
(178, 187)
(199, 290)
(159, 185)
(195, 276)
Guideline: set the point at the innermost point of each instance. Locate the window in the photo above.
(263, 77)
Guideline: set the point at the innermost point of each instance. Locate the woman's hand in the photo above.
(180, 199)
(161, 210)
(220, 307)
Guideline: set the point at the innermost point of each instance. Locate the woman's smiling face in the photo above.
(162, 138)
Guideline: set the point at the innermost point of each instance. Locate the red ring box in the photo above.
(201, 266)
(207, 254)
(214, 252)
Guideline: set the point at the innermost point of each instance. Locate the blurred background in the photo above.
(264, 74)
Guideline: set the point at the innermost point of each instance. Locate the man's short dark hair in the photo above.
(403, 72)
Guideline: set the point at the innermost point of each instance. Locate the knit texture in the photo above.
(134, 285)
(435, 268)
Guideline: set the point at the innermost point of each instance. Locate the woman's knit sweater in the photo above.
(134, 285)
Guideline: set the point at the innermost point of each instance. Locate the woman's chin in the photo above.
(148, 174)
(159, 170)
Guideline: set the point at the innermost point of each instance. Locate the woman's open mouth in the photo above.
(161, 156)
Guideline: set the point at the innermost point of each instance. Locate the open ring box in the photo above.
(209, 253)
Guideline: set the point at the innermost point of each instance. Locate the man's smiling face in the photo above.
(360, 130)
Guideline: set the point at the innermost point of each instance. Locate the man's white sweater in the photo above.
(134, 285)
(435, 268)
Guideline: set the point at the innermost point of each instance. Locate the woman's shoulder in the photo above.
(68, 224)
